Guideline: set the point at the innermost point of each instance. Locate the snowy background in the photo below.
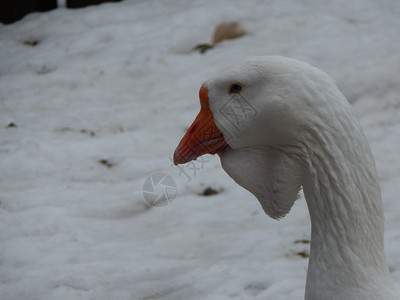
(93, 101)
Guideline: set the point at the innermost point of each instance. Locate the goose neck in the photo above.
(343, 196)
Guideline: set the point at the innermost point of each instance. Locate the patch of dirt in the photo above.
(203, 48)
(106, 163)
(209, 191)
(12, 125)
(303, 254)
(32, 42)
(304, 241)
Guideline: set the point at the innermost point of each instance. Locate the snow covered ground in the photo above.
(93, 101)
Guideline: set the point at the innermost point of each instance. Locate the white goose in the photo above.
(278, 125)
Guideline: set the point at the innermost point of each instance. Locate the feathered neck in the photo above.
(335, 166)
(305, 134)
(343, 195)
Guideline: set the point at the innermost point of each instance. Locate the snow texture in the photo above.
(93, 101)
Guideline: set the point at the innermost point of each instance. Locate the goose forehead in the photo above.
(259, 70)
(244, 76)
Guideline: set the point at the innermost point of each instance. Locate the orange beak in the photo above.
(203, 135)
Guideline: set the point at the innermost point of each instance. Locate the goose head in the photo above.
(278, 125)
(262, 117)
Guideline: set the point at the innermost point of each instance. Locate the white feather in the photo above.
(297, 129)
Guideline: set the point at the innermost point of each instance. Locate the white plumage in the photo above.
(289, 127)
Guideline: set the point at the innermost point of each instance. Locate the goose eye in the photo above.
(235, 88)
